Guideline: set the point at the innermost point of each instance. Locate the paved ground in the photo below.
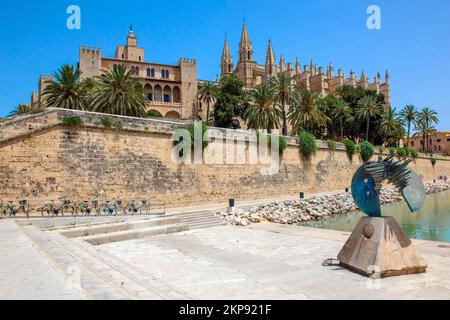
(24, 272)
(269, 261)
(264, 261)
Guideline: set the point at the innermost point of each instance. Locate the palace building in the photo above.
(171, 89)
(308, 77)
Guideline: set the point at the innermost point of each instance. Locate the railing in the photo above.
(166, 104)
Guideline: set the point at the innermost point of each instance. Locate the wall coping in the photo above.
(147, 125)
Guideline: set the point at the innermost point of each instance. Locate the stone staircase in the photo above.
(102, 232)
(96, 275)
(198, 220)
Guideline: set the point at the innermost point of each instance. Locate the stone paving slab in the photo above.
(24, 273)
(270, 261)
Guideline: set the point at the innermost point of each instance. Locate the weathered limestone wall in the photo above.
(136, 163)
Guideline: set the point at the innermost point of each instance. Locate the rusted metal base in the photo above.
(378, 246)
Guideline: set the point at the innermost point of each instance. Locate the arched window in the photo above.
(149, 72)
(132, 70)
(153, 73)
(136, 70)
(163, 73)
(167, 74)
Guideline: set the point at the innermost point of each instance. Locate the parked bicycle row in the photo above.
(83, 208)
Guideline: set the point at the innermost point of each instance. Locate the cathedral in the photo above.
(308, 77)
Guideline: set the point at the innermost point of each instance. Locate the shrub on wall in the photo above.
(392, 150)
(191, 128)
(331, 144)
(402, 152)
(118, 125)
(73, 121)
(307, 144)
(350, 146)
(381, 149)
(433, 161)
(366, 150)
(413, 153)
(107, 122)
(281, 145)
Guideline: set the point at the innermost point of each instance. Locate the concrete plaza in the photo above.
(263, 261)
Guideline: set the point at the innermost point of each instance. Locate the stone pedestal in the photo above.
(379, 246)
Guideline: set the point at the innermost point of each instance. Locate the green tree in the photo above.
(305, 112)
(368, 107)
(391, 127)
(231, 101)
(341, 111)
(21, 108)
(408, 116)
(355, 127)
(118, 92)
(207, 93)
(283, 87)
(88, 87)
(262, 113)
(422, 129)
(428, 117)
(64, 91)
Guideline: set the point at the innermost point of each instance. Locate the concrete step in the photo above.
(197, 220)
(84, 281)
(205, 225)
(91, 230)
(143, 277)
(100, 275)
(135, 234)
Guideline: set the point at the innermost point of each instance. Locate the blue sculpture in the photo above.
(367, 184)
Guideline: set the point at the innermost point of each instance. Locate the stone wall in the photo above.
(54, 162)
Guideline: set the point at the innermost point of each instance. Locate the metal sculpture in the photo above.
(378, 245)
(368, 179)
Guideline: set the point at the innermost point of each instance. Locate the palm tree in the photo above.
(118, 92)
(305, 111)
(262, 113)
(207, 93)
(22, 108)
(65, 90)
(341, 111)
(283, 87)
(408, 116)
(422, 129)
(368, 107)
(88, 86)
(428, 117)
(391, 127)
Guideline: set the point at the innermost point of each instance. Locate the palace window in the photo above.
(150, 97)
(166, 98)
(167, 74)
(163, 74)
(136, 70)
(438, 140)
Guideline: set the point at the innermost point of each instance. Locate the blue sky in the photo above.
(413, 42)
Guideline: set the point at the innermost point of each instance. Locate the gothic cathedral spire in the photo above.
(227, 60)
(270, 60)
(245, 46)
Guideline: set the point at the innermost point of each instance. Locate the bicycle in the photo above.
(142, 209)
(51, 208)
(83, 208)
(115, 209)
(11, 210)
